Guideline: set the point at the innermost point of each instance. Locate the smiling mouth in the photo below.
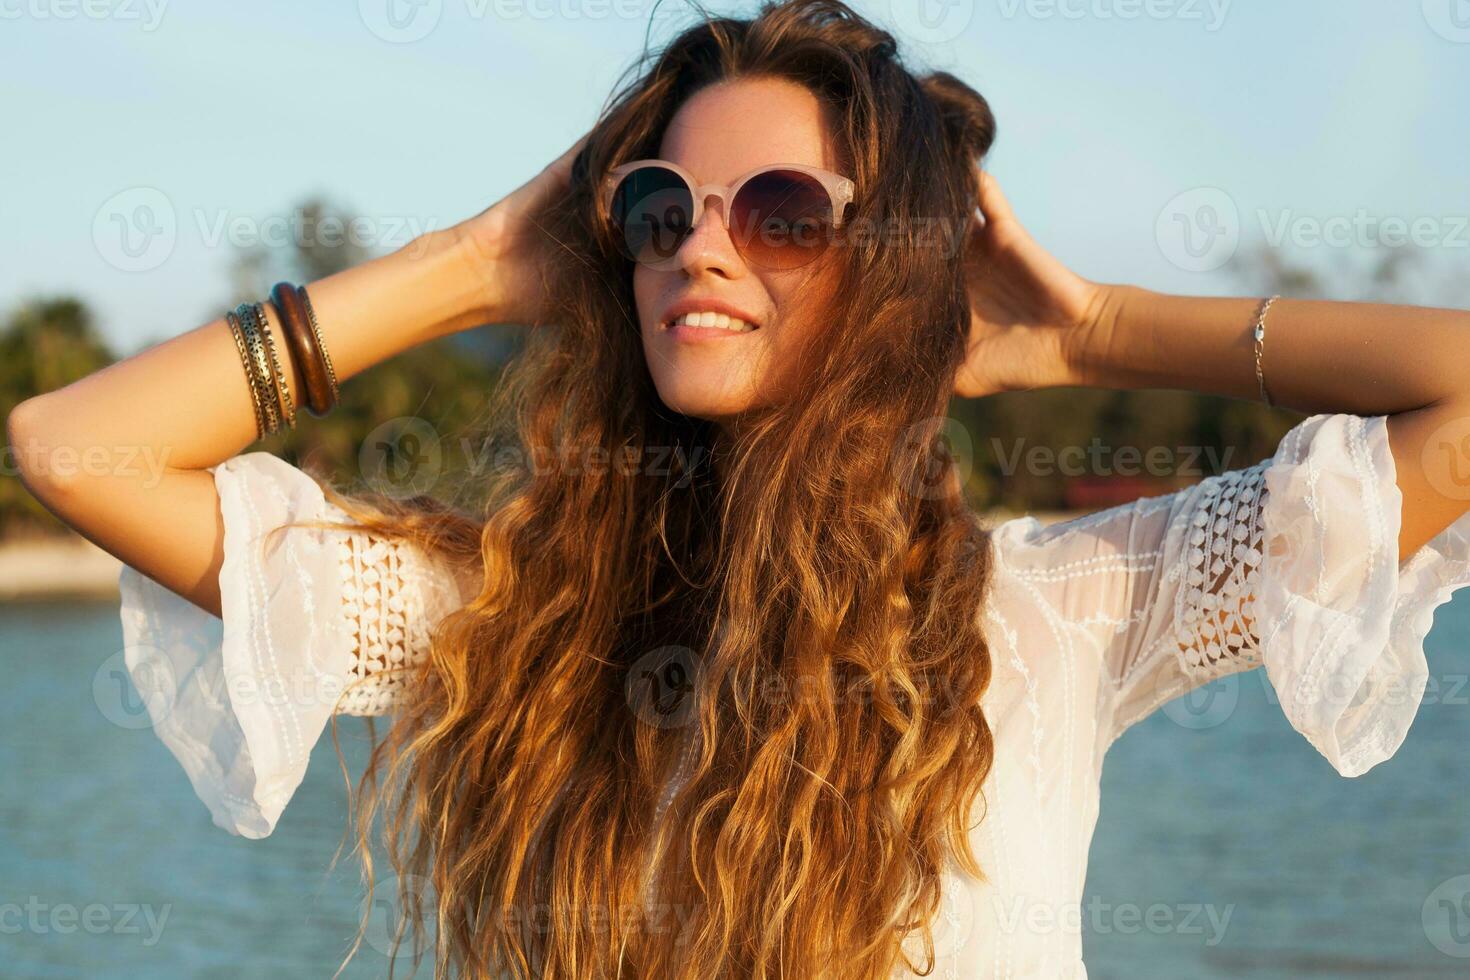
(708, 320)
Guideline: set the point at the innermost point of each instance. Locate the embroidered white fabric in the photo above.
(1093, 623)
(241, 700)
(387, 615)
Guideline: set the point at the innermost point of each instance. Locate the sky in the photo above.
(1142, 141)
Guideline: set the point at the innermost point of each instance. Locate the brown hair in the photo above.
(805, 616)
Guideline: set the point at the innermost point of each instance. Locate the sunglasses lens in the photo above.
(782, 219)
(651, 210)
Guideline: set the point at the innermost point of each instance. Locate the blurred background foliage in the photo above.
(48, 342)
(44, 344)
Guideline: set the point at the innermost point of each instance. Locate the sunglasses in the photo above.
(780, 216)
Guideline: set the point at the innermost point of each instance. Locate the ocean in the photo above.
(1226, 846)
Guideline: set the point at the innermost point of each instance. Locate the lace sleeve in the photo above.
(240, 700)
(1214, 604)
(391, 598)
(1291, 564)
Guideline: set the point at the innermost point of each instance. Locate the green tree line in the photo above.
(1038, 450)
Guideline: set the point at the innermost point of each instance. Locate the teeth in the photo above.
(709, 319)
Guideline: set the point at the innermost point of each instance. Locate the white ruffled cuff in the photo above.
(1341, 620)
(241, 700)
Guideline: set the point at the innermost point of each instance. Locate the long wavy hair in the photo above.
(801, 618)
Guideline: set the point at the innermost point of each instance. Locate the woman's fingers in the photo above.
(557, 176)
(562, 165)
(993, 203)
(504, 239)
(554, 178)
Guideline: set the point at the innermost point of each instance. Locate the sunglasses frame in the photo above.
(839, 189)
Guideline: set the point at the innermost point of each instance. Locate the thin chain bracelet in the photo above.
(1260, 335)
(282, 384)
(240, 346)
(261, 364)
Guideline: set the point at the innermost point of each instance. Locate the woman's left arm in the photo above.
(1409, 363)
(1035, 323)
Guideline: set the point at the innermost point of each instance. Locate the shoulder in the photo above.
(1060, 546)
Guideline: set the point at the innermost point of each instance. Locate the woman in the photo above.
(746, 690)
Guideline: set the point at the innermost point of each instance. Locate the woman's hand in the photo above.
(1026, 308)
(500, 244)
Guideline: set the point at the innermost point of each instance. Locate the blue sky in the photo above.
(1125, 125)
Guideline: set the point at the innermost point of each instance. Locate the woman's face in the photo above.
(720, 133)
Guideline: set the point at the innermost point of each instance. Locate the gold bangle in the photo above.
(262, 370)
(282, 386)
(240, 346)
(260, 363)
(320, 343)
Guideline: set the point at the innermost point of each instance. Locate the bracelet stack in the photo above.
(270, 392)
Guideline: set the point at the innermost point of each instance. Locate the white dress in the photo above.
(1093, 623)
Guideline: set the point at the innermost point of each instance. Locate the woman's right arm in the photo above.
(121, 455)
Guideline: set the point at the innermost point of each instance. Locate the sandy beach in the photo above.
(53, 568)
(73, 567)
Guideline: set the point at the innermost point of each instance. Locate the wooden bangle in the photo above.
(305, 348)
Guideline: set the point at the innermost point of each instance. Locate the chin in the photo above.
(702, 401)
(703, 408)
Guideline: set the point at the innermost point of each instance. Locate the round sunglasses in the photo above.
(780, 216)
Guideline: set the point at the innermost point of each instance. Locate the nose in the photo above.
(709, 247)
